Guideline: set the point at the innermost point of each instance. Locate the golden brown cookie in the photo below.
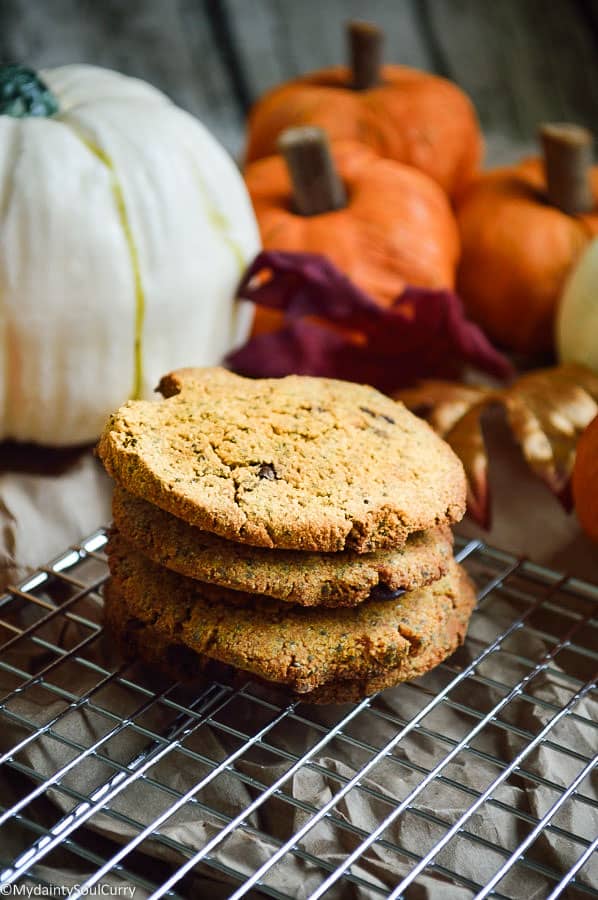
(140, 643)
(295, 576)
(373, 644)
(292, 463)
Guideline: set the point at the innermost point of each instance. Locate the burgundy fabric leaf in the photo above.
(423, 334)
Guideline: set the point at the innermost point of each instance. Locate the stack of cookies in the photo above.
(297, 529)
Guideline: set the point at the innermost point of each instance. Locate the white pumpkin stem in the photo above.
(567, 165)
(365, 54)
(317, 187)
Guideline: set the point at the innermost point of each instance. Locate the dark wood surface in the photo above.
(521, 61)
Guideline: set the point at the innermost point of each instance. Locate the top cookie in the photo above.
(292, 463)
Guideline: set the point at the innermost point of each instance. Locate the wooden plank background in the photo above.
(521, 61)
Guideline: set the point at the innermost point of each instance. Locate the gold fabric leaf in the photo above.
(547, 410)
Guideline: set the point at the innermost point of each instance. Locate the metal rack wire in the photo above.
(82, 733)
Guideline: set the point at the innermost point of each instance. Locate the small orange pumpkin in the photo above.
(518, 245)
(404, 114)
(397, 226)
(585, 480)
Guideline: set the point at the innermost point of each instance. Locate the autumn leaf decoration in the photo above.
(333, 329)
(547, 410)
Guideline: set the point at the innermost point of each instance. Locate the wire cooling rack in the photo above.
(500, 783)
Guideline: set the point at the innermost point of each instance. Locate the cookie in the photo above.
(179, 663)
(295, 576)
(292, 463)
(303, 649)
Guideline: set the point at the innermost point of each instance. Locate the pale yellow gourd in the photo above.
(577, 319)
(124, 231)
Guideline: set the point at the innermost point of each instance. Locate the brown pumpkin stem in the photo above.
(365, 54)
(317, 187)
(567, 165)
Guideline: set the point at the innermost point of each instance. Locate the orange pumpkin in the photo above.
(407, 115)
(517, 250)
(396, 229)
(585, 480)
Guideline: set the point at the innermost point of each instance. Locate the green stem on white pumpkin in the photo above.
(365, 54)
(23, 93)
(317, 187)
(567, 164)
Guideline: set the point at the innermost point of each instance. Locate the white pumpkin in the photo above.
(577, 318)
(124, 230)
